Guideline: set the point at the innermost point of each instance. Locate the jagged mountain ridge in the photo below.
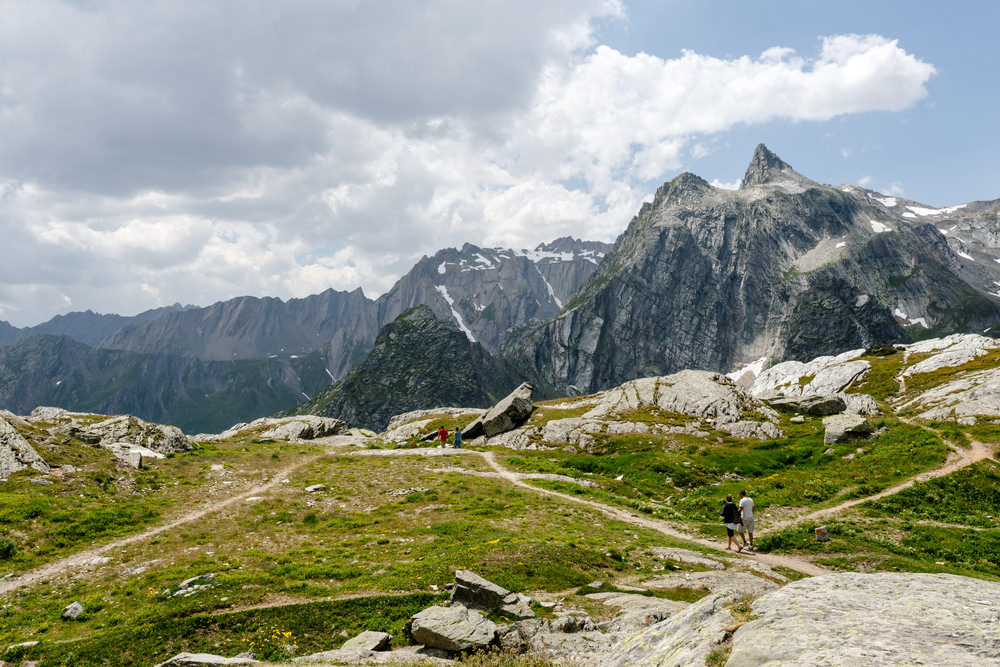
(783, 267)
(84, 326)
(243, 328)
(485, 291)
(195, 395)
(418, 361)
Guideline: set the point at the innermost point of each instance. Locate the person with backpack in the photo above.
(731, 517)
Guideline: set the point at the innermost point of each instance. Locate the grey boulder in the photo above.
(840, 428)
(204, 660)
(369, 640)
(473, 590)
(16, 453)
(453, 628)
(816, 405)
(505, 416)
(72, 611)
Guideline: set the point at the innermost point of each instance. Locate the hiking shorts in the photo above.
(731, 529)
(747, 526)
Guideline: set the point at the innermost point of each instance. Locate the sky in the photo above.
(181, 151)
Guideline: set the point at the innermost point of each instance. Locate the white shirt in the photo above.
(746, 508)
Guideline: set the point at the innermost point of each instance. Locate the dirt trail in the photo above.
(79, 561)
(791, 562)
(957, 459)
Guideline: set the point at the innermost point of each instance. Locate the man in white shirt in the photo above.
(746, 513)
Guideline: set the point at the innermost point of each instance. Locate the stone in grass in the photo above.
(472, 590)
(369, 640)
(838, 428)
(72, 611)
(205, 660)
(454, 629)
(315, 488)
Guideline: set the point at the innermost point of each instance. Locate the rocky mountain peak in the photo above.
(766, 167)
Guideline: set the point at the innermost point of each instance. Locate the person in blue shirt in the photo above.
(458, 438)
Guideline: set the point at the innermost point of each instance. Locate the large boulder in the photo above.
(815, 405)
(132, 430)
(455, 628)
(840, 428)
(506, 415)
(16, 453)
(369, 640)
(873, 619)
(472, 590)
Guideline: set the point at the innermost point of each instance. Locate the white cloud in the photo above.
(160, 152)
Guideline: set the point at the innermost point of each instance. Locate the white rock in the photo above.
(16, 453)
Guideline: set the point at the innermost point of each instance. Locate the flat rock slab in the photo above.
(738, 583)
(874, 619)
(369, 640)
(687, 557)
(204, 660)
(453, 628)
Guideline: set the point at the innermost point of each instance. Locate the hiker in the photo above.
(443, 437)
(746, 517)
(458, 438)
(731, 517)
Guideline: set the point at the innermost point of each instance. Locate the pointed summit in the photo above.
(766, 167)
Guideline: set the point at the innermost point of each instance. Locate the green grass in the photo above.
(311, 627)
(881, 379)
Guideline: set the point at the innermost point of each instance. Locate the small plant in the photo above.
(272, 644)
(8, 549)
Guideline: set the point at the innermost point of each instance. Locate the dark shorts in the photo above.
(729, 531)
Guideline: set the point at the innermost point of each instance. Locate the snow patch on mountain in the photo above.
(458, 317)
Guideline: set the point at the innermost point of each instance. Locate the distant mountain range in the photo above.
(205, 369)
(703, 278)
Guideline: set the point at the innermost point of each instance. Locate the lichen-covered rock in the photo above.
(873, 619)
(823, 376)
(16, 453)
(455, 628)
(839, 428)
(369, 640)
(710, 397)
(972, 395)
(72, 611)
(860, 404)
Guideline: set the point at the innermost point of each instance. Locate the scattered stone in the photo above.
(41, 480)
(204, 660)
(840, 428)
(369, 640)
(797, 419)
(315, 487)
(822, 535)
(72, 611)
(454, 629)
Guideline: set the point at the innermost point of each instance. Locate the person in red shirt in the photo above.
(443, 436)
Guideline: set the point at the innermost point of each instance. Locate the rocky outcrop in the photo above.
(506, 415)
(822, 376)
(948, 352)
(160, 438)
(16, 453)
(418, 362)
(873, 619)
(455, 628)
(840, 428)
(964, 399)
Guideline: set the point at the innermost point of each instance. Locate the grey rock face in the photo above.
(783, 267)
(369, 640)
(128, 429)
(16, 453)
(817, 406)
(453, 629)
(873, 619)
(485, 291)
(839, 428)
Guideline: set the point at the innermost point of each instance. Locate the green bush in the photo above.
(7, 548)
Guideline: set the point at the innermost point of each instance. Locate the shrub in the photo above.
(7, 548)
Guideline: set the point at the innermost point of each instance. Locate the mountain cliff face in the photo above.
(86, 326)
(243, 328)
(783, 267)
(195, 395)
(485, 291)
(418, 361)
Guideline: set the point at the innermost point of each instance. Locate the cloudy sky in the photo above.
(154, 152)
